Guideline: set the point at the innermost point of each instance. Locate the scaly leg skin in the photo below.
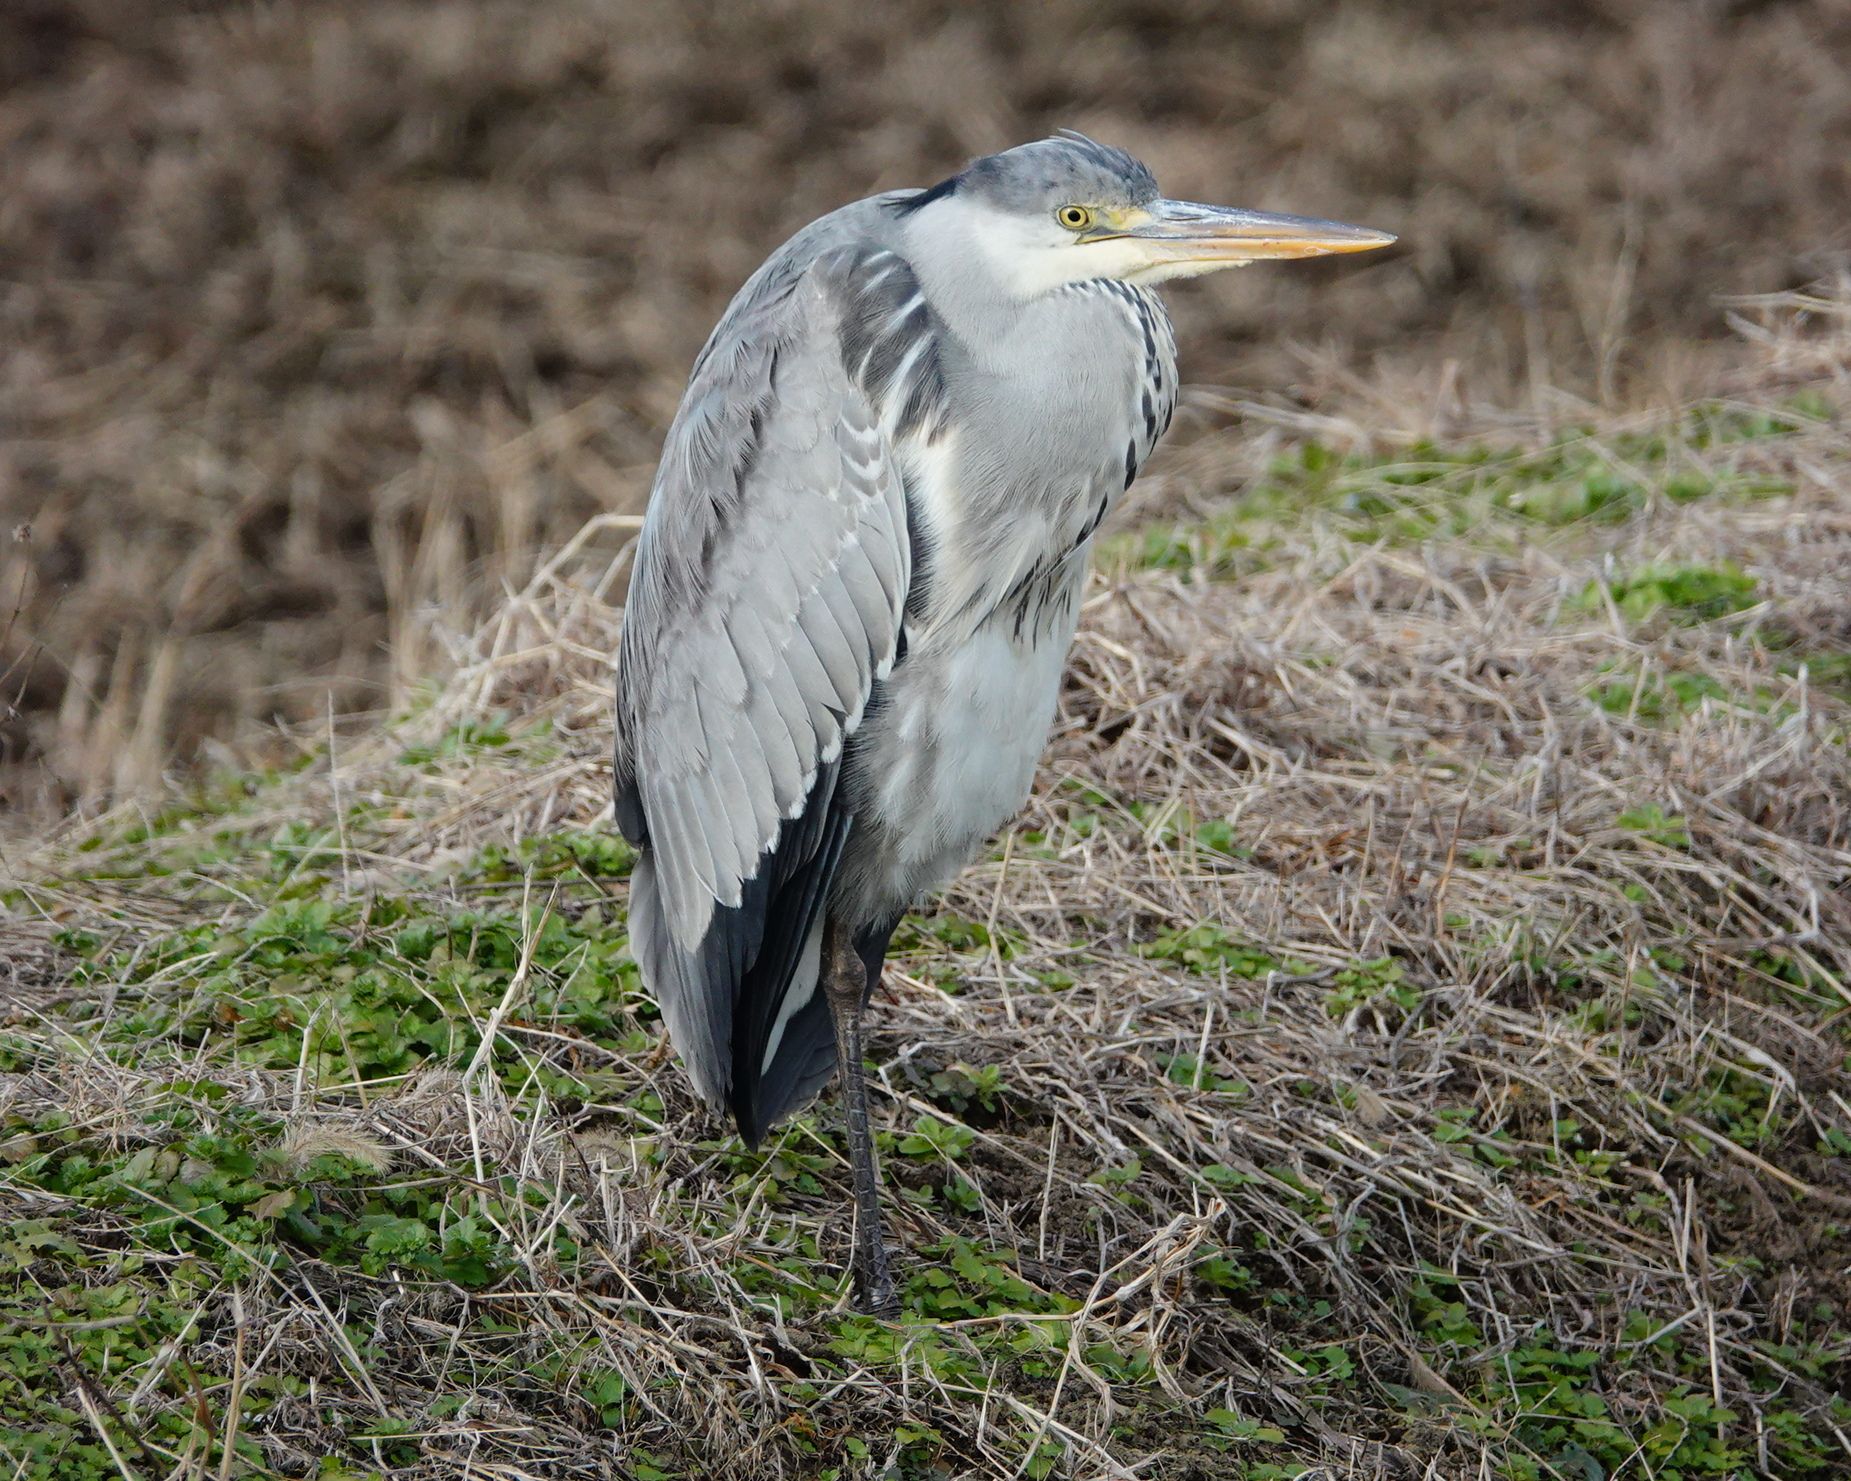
(845, 982)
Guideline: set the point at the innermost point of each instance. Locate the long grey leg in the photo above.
(845, 982)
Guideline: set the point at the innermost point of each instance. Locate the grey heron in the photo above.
(857, 581)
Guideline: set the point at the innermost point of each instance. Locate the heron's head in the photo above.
(1068, 210)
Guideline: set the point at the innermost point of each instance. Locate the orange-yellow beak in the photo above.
(1183, 231)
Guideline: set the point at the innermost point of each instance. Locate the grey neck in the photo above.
(974, 301)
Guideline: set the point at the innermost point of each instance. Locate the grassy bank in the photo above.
(1406, 1035)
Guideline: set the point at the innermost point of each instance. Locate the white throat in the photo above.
(981, 266)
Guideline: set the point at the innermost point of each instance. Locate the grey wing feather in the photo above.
(769, 592)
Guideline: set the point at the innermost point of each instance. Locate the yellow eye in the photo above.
(1074, 218)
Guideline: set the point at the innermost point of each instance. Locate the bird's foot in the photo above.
(876, 1294)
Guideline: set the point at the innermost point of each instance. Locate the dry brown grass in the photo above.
(1600, 936)
(320, 315)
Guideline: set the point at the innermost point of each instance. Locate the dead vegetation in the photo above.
(1405, 1036)
(319, 316)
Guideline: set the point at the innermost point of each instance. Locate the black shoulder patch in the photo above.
(914, 202)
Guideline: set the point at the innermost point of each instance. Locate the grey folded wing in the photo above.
(767, 600)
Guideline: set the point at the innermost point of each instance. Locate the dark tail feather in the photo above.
(804, 1064)
(761, 1092)
(721, 1001)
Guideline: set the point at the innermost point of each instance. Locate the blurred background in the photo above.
(318, 319)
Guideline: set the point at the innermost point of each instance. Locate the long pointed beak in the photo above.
(1183, 231)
